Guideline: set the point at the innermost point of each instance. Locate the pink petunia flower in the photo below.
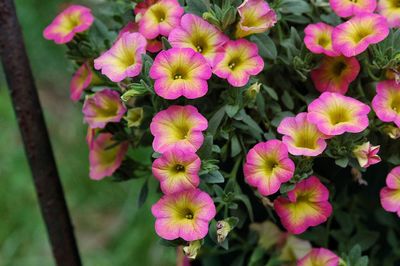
(255, 17)
(184, 214)
(306, 205)
(80, 81)
(177, 169)
(348, 8)
(386, 103)
(104, 156)
(238, 62)
(178, 126)
(353, 37)
(124, 59)
(390, 195)
(366, 154)
(180, 72)
(268, 166)
(160, 18)
(318, 39)
(319, 256)
(335, 114)
(301, 137)
(103, 107)
(73, 20)
(196, 33)
(390, 9)
(153, 46)
(335, 74)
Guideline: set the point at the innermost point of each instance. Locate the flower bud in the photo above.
(134, 117)
(253, 91)
(366, 154)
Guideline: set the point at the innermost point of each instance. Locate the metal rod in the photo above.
(35, 137)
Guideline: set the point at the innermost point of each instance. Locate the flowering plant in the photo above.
(271, 127)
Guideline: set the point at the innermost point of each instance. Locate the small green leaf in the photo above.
(287, 100)
(144, 191)
(271, 92)
(213, 177)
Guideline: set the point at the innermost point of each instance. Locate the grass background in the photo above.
(110, 229)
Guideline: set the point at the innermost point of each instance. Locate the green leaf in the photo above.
(271, 92)
(165, 43)
(206, 149)
(287, 100)
(266, 46)
(245, 200)
(144, 191)
(213, 177)
(232, 110)
(216, 120)
(197, 7)
(295, 7)
(235, 146)
(342, 162)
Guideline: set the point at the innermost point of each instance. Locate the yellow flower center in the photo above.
(339, 115)
(200, 44)
(270, 165)
(395, 104)
(179, 73)
(187, 214)
(324, 41)
(179, 168)
(182, 132)
(305, 140)
(361, 32)
(234, 63)
(338, 68)
(394, 3)
(158, 12)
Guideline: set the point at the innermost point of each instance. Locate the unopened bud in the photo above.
(134, 117)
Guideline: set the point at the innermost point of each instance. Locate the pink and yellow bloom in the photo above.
(353, 37)
(105, 156)
(160, 18)
(366, 154)
(301, 137)
(348, 8)
(196, 33)
(390, 195)
(268, 166)
(103, 107)
(124, 59)
(178, 126)
(153, 46)
(255, 17)
(142, 7)
(306, 205)
(335, 74)
(177, 169)
(184, 214)
(80, 81)
(390, 9)
(73, 20)
(335, 114)
(180, 72)
(319, 256)
(238, 62)
(318, 39)
(386, 103)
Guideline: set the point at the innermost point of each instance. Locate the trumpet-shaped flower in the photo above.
(255, 17)
(178, 126)
(124, 59)
(386, 103)
(268, 166)
(177, 169)
(105, 156)
(301, 137)
(184, 214)
(73, 20)
(196, 33)
(180, 72)
(318, 39)
(353, 37)
(238, 62)
(366, 154)
(153, 46)
(307, 205)
(335, 114)
(335, 74)
(103, 107)
(319, 256)
(80, 81)
(390, 195)
(390, 9)
(348, 8)
(160, 18)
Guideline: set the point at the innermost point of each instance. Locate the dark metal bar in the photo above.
(35, 137)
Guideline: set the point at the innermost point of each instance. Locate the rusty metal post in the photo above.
(35, 137)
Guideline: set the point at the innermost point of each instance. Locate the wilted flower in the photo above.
(253, 90)
(366, 154)
(192, 249)
(348, 8)
(319, 256)
(134, 117)
(390, 195)
(80, 81)
(223, 229)
(392, 131)
(318, 39)
(386, 103)
(293, 248)
(390, 9)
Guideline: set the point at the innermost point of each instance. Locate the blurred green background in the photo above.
(110, 228)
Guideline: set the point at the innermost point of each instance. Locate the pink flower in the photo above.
(105, 157)
(355, 35)
(268, 166)
(386, 103)
(124, 59)
(318, 39)
(73, 20)
(103, 107)
(255, 17)
(153, 46)
(390, 9)
(142, 7)
(366, 154)
(80, 81)
(238, 62)
(196, 33)
(160, 18)
(177, 169)
(319, 256)
(301, 137)
(307, 205)
(184, 214)
(335, 114)
(348, 8)
(335, 74)
(178, 126)
(180, 72)
(390, 195)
